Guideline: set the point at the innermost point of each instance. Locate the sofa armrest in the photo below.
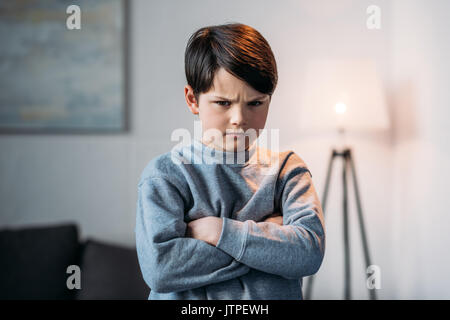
(34, 261)
(110, 271)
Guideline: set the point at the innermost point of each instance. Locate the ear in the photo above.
(190, 99)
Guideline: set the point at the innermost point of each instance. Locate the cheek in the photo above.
(211, 118)
(259, 119)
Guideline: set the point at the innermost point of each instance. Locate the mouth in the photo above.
(235, 135)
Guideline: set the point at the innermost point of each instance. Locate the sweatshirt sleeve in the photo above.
(170, 262)
(293, 250)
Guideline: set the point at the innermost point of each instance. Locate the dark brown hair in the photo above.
(238, 48)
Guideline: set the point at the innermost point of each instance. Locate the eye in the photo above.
(255, 103)
(222, 103)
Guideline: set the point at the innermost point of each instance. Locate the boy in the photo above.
(221, 230)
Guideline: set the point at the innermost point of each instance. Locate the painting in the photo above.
(59, 79)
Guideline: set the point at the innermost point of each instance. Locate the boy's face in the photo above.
(231, 105)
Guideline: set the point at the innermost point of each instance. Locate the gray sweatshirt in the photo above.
(252, 259)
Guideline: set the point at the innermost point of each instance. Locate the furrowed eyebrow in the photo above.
(257, 98)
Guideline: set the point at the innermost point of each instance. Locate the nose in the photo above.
(238, 117)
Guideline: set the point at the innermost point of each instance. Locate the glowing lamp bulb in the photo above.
(340, 108)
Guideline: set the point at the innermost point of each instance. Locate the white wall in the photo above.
(420, 82)
(91, 179)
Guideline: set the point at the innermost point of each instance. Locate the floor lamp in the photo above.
(345, 95)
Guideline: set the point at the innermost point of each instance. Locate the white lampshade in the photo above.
(343, 94)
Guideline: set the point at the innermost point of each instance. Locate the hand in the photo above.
(275, 217)
(207, 229)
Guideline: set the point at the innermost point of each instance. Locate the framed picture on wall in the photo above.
(58, 78)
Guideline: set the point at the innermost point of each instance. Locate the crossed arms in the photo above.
(176, 256)
(209, 229)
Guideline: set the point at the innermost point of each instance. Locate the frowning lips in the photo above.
(235, 133)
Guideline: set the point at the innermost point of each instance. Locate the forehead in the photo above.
(227, 85)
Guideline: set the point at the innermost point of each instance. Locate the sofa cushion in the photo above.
(34, 261)
(110, 271)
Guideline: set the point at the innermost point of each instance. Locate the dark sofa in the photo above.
(34, 262)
